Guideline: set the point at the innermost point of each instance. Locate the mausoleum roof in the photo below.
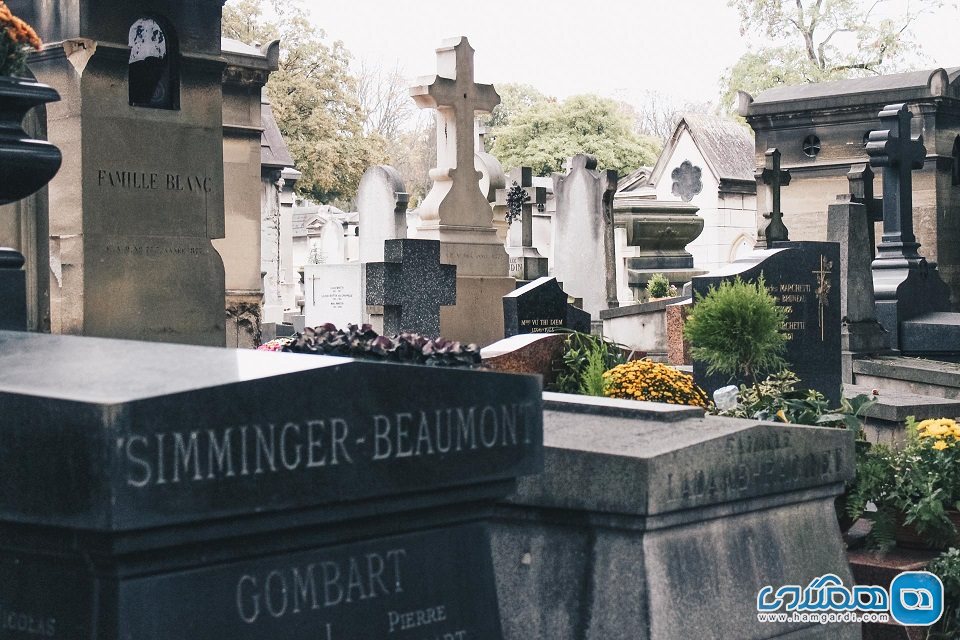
(274, 152)
(726, 145)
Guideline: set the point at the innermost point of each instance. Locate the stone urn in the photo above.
(26, 165)
(657, 234)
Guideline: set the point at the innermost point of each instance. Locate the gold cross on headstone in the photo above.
(823, 290)
(457, 99)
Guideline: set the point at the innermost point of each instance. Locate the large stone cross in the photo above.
(773, 178)
(456, 197)
(892, 148)
(412, 285)
(523, 178)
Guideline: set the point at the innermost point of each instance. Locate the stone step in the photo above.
(902, 374)
(884, 419)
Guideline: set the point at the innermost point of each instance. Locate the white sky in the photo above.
(614, 48)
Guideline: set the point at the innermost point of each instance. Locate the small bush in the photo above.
(585, 358)
(947, 568)
(737, 330)
(364, 343)
(658, 286)
(653, 381)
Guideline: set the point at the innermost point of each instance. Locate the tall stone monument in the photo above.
(456, 212)
(140, 196)
(584, 250)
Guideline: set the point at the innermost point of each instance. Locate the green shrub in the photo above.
(947, 568)
(585, 358)
(658, 286)
(737, 330)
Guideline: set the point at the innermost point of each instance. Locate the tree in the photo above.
(543, 138)
(314, 97)
(384, 98)
(514, 98)
(822, 40)
(657, 115)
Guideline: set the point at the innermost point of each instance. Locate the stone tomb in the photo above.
(332, 294)
(804, 277)
(140, 195)
(657, 522)
(541, 307)
(165, 491)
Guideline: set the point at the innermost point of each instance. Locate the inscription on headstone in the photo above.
(804, 277)
(541, 307)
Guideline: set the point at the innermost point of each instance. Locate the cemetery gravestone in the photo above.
(332, 294)
(541, 307)
(769, 181)
(584, 250)
(456, 212)
(140, 196)
(196, 493)
(519, 198)
(804, 277)
(411, 285)
(382, 204)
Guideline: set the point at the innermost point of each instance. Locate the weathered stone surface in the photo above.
(640, 501)
(382, 205)
(678, 349)
(536, 353)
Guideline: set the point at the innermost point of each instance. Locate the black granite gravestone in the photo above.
(541, 307)
(804, 277)
(160, 491)
(412, 285)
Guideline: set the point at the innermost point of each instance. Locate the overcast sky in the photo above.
(615, 48)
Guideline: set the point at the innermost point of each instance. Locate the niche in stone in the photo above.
(154, 76)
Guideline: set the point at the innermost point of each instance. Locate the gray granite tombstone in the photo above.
(168, 491)
(906, 285)
(657, 522)
(541, 307)
(804, 277)
(140, 197)
(411, 285)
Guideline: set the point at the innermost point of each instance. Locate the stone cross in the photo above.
(412, 285)
(773, 178)
(456, 197)
(531, 265)
(893, 149)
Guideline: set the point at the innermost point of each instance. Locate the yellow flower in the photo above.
(940, 445)
(782, 415)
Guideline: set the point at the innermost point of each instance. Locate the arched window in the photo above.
(154, 73)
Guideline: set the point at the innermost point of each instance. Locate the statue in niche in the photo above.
(152, 73)
(686, 181)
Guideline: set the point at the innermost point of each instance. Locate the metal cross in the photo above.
(773, 178)
(892, 148)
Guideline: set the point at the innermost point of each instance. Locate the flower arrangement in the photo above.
(364, 343)
(653, 381)
(516, 197)
(17, 38)
(915, 487)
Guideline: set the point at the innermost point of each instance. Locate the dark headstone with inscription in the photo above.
(804, 277)
(164, 491)
(139, 199)
(541, 307)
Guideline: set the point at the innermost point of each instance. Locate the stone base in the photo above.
(909, 375)
(478, 315)
(243, 319)
(678, 349)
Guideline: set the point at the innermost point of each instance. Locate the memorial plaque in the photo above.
(804, 277)
(541, 307)
(332, 294)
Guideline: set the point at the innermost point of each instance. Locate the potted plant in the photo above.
(915, 487)
(25, 164)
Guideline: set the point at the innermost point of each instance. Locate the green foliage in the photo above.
(915, 484)
(545, 136)
(514, 99)
(314, 97)
(585, 358)
(658, 286)
(737, 330)
(799, 41)
(947, 568)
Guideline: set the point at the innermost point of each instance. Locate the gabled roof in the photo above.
(726, 146)
(886, 89)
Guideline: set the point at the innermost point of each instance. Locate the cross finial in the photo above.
(457, 98)
(892, 148)
(773, 178)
